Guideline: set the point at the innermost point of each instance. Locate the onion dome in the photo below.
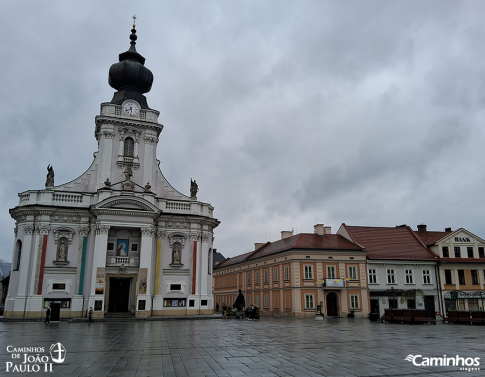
(129, 76)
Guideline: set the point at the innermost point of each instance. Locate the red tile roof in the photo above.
(390, 243)
(431, 237)
(302, 241)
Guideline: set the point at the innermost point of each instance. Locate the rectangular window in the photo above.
(411, 303)
(266, 302)
(287, 273)
(372, 276)
(353, 272)
(481, 252)
(331, 272)
(249, 300)
(266, 276)
(409, 276)
(469, 252)
(134, 247)
(249, 278)
(448, 277)
(178, 302)
(446, 252)
(257, 277)
(391, 276)
(474, 277)
(257, 300)
(457, 252)
(308, 272)
(111, 246)
(60, 286)
(228, 281)
(309, 304)
(461, 277)
(275, 274)
(175, 287)
(426, 276)
(354, 301)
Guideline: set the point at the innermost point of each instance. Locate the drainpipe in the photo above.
(440, 293)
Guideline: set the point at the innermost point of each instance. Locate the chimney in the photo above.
(319, 229)
(286, 234)
(447, 229)
(327, 229)
(422, 228)
(257, 245)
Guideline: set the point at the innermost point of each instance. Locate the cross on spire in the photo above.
(134, 18)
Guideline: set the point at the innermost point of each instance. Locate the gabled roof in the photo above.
(302, 241)
(431, 238)
(390, 243)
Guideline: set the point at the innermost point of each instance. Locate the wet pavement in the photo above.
(220, 347)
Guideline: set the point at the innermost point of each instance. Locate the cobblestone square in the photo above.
(268, 347)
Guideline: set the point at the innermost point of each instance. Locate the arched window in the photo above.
(129, 146)
(19, 253)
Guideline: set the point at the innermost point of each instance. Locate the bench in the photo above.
(419, 316)
(464, 316)
(387, 315)
(477, 317)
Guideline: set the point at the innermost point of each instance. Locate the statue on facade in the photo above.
(128, 173)
(194, 187)
(127, 184)
(49, 182)
(62, 252)
(176, 254)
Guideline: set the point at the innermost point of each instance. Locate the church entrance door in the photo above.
(332, 308)
(119, 295)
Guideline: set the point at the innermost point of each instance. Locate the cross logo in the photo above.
(60, 352)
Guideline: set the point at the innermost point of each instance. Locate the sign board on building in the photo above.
(335, 283)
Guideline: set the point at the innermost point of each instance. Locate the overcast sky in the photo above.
(286, 113)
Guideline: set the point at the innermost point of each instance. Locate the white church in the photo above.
(119, 238)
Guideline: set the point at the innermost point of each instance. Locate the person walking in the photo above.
(217, 307)
(48, 315)
(90, 312)
(224, 310)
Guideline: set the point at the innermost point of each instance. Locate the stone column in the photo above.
(144, 286)
(105, 139)
(121, 148)
(77, 300)
(158, 297)
(135, 149)
(98, 275)
(24, 271)
(34, 300)
(149, 158)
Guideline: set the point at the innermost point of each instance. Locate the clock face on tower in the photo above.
(131, 108)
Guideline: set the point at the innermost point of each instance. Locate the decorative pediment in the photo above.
(123, 204)
(63, 232)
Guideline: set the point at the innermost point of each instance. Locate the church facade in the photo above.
(119, 238)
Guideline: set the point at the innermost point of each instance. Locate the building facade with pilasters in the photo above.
(119, 238)
(292, 276)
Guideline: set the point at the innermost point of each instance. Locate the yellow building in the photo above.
(291, 276)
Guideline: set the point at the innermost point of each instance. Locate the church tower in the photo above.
(119, 238)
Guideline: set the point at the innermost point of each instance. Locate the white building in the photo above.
(397, 262)
(132, 244)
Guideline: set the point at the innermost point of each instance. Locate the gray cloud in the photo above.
(368, 113)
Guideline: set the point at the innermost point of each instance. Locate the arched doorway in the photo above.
(332, 304)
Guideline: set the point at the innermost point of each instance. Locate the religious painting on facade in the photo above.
(99, 289)
(142, 288)
(122, 248)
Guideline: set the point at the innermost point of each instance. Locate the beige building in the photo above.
(461, 275)
(291, 276)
